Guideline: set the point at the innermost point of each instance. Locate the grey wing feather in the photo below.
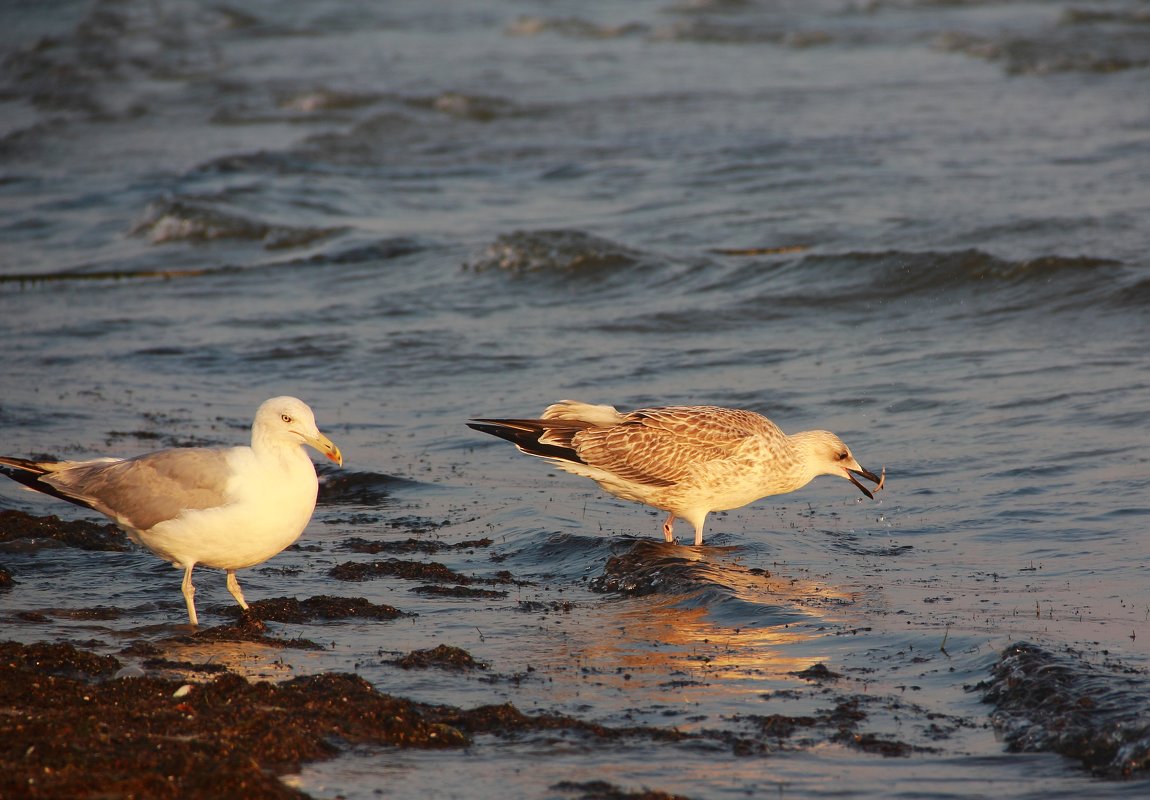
(144, 491)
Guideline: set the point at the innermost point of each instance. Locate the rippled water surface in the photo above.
(920, 225)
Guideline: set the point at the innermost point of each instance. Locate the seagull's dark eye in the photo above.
(843, 456)
(286, 418)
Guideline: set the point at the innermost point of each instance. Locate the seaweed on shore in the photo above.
(248, 628)
(1061, 703)
(322, 607)
(150, 737)
(15, 525)
(410, 545)
(443, 656)
(602, 790)
(425, 571)
(71, 730)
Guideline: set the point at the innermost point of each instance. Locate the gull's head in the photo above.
(828, 455)
(289, 419)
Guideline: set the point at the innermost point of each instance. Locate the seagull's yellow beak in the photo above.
(325, 446)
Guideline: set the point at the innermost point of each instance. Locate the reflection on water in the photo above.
(666, 639)
(252, 660)
(705, 616)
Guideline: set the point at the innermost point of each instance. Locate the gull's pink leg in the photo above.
(234, 588)
(190, 594)
(669, 528)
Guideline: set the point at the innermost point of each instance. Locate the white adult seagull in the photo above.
(227, 508)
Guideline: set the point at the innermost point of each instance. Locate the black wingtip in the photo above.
(494, 428)
(525, 434)
(21, 470)
(28, 474)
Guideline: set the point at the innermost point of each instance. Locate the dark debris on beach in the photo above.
(1061, 702)
(767, 733)
(424, 571)
(250, 624)
(17, 525)
(248, 628)
(444, 656)
(460, 592)
(602, 790)
(312, 609)
(69, 729)
(63, 735)
(411, 545)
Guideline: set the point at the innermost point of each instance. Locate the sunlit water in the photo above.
(919, 225)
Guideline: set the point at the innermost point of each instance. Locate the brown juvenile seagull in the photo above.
(685, 460)
(226, 508)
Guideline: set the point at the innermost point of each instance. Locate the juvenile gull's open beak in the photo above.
(870, 476)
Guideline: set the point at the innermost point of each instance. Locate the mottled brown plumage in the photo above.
(685, 460)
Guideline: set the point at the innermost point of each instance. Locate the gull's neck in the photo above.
(266, 444)
(803, 462)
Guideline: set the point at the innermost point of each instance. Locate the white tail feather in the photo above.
(600, 416)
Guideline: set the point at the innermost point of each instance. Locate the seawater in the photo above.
(918, 225)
